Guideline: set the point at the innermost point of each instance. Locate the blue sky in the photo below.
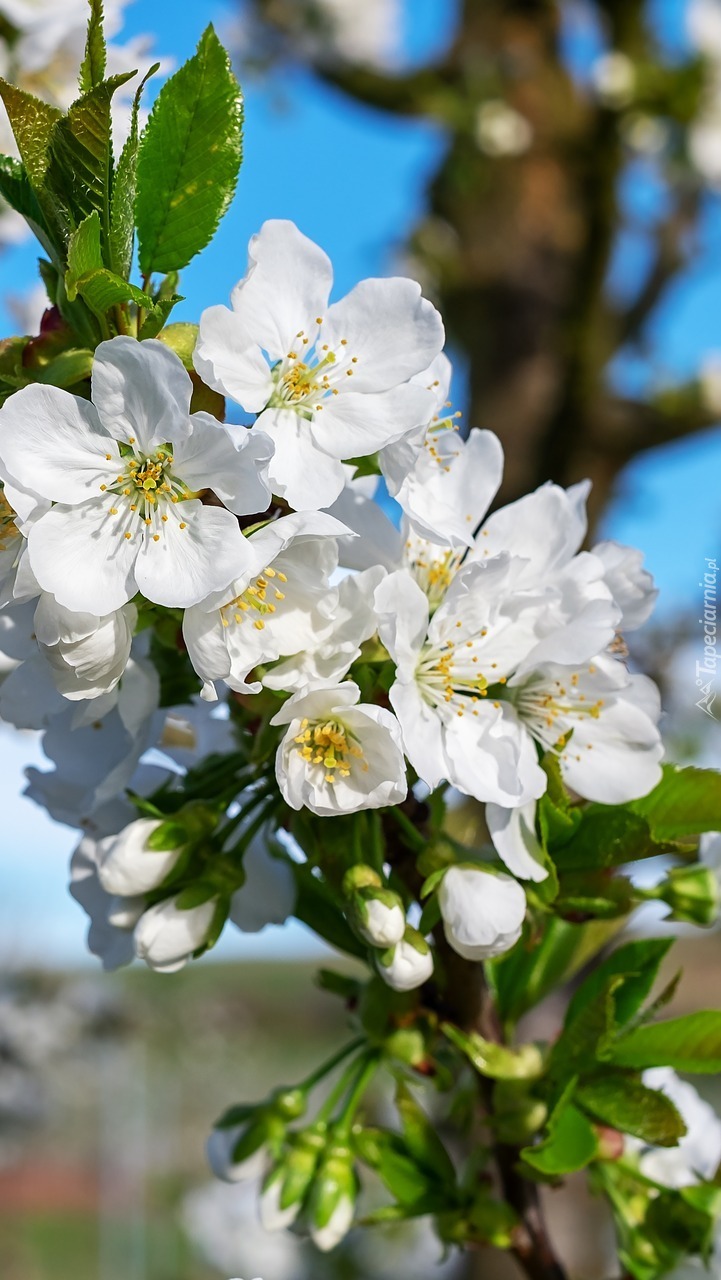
(354, 181)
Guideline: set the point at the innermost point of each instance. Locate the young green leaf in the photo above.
(16, 189)
(691, 1043)
(498, 1061)
(122, 203)
(608, 836)
(638, 963)
(92, 68)
(686, 802)
(588, 1035)
(571, 1144)
(84, 253)
(189, 159)
(421, 1138)
(79, 169)
(32, 122)
(627, 1105)
(525, 975)
(102, 290)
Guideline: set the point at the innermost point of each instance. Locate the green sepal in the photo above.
(497, 1061)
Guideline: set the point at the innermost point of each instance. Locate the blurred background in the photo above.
(550, 170)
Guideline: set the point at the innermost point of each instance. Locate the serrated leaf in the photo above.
(638, 964)
(122, 204)
(189, 159)
(32, 122)
(16, 189)
(92, 68)
(79, 169)
(629, 1106)
(691, 1043)
(84, 253)
(686, 802)
(156, 316)
(421, 1138)
(609, 836)
(588, 1036)
(525, 975)
(103, 289)
(571, 1144)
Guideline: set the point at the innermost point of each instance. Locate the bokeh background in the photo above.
(551, 173)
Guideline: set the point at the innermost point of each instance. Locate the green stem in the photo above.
(320, 1072)
(347, 1116)
(412, 834)
(339, 1088)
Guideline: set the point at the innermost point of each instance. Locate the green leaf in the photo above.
(16, 189)
(387, 1153)
(92, 68)
(532, 969)
(691, 1043)
(607, 837)
(103, 289)
(629, 1106)
(84, 253)
(189, 159)
(122, 202)
(32, 122)
(589, 1034)
(79, 170)
(421, 1138)
(156, 316)
(571, 1144)
(497, 1061)
(686, 802)
(638, 963)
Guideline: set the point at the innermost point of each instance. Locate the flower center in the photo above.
(433, 569)
(330, 745)
(550, 708)
(449, 674)
(8, 528)
(254, 602)
(143, 489)
(307, 375)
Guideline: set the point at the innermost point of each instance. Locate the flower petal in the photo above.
(141, 391)
(390, 329)
(354, 423)
(189, 562)
(226, 362)
(232, 462)
(286, 289)
(299, 471)
(80, 555)
(53, 443)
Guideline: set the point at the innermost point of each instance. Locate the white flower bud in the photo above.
(482, 912)
(382, 923)
(128, 867)
(409, 964)
(166, 937)
(219, 1150)
(124, 913)
(272, 1216)
(337, 1226)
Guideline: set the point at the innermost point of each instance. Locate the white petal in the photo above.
(141, 390)
(513, 832)
(286, 289)
(451, 490)
(79, 554)
(185, 565)
(299, 471)
(402, 610)
(53, 443)
(356, 423)
(225, 362)
(233, 462)
(390, 329)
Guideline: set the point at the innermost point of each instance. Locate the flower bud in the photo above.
(408, 964)
(692, 894)
(238, 1151)
(166, 936)
(378, 916)
(129, 867)
(332, 1199)
(482, 911)
(286, 1186)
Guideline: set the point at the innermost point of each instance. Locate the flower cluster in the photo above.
(462, 648)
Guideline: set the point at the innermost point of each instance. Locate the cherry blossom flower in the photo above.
(125, 475)
(328, 382)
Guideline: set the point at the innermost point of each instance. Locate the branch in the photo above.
(669, 257)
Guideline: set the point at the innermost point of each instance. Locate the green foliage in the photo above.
(17, 190)
(421, 1138)
(32, 122)
(570, 1144)
(189, 159)
(691, 1043)
(497, 1061)
(626, 1104)
(686, 802)
(637, 963)
(121, 235)
(542, 961)
(92, 69)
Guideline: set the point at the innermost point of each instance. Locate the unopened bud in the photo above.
(130, 866)
(692, 894)
(167, 936)
(611, 1143)
(408, 964)
(287, 1184)
(333, 1197)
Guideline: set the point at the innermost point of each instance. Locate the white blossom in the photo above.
(166, 936)
(127, 866)
(328, 382)
(408, 964)
(482, 912)
(629, 583)
(281, 604)
(329, 1235)
(339, 755)
(123, 474)
(698, 1152)
(513, 832)
(88, 654)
